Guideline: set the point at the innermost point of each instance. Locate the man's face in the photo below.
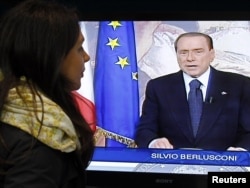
(194, 55)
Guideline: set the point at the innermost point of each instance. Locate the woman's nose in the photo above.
(86, 56)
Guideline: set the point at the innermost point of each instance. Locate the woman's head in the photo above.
(35, 41)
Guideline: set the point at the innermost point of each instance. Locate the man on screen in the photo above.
(224, 123)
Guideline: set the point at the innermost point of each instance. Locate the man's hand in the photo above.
(161, 143)
(236, 149)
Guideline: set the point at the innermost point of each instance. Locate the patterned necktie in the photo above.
(195, 101)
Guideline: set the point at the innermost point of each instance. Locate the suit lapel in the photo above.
(215, 98)
(179, 106)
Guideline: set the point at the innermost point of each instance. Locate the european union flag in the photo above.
(116, 82)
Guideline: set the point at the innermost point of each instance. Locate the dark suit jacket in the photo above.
(225, 119)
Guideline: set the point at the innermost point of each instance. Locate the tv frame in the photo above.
(104, 179)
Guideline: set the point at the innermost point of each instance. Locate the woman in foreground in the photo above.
(44, 140)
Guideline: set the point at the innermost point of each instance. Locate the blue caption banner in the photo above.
(165, 156)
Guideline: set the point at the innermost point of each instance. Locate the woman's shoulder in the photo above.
(17, 140)
(29, 154)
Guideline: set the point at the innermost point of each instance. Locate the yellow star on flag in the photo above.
(113, 43)
(122, 61)
(135, 75)
(115, 24)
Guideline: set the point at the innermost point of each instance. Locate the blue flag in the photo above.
(116, 82)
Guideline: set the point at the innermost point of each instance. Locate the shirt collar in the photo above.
(203, 78)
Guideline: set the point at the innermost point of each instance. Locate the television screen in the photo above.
(145, 50)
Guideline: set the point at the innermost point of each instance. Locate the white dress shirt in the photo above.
(203, 79)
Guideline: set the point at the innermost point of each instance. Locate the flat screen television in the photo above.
(123, 165)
